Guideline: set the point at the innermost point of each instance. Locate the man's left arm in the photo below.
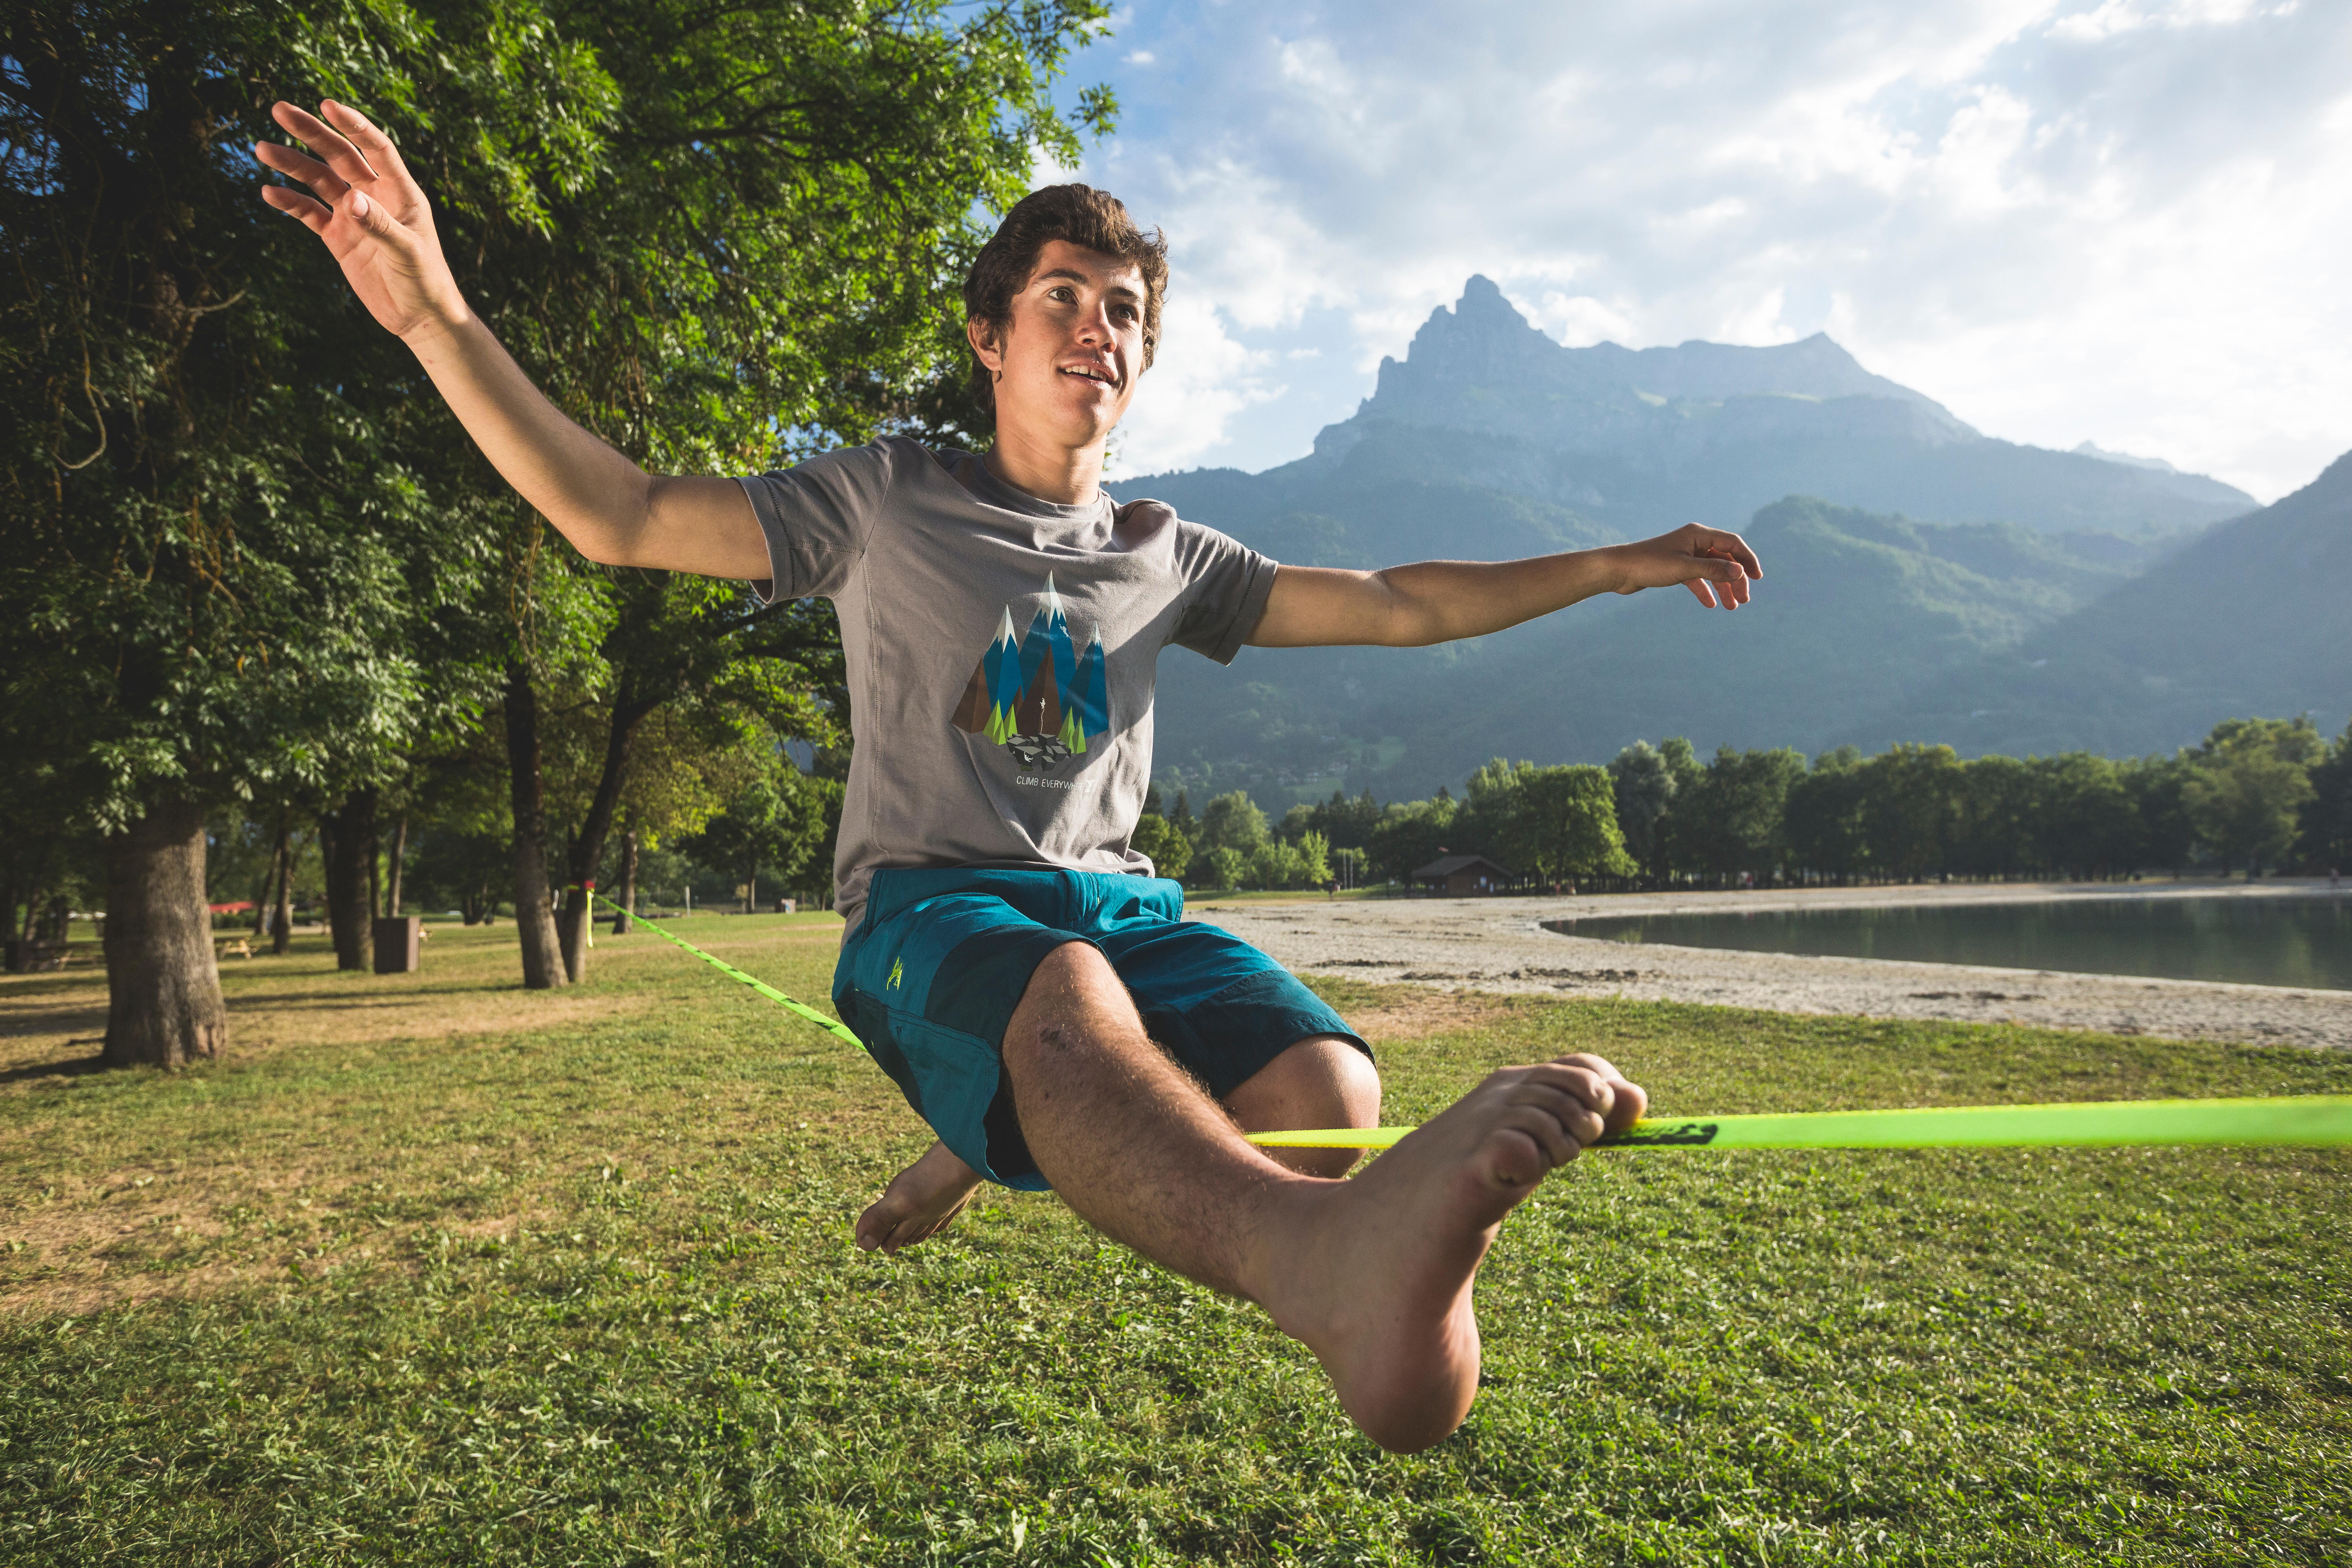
(1441, 601)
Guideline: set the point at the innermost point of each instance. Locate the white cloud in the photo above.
(2118, 220)
(1199, 382)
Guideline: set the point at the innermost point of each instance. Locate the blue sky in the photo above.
(2123, 221)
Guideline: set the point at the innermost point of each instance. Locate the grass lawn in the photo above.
(432, 1270)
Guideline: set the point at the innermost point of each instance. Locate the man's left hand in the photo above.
(1717, 566)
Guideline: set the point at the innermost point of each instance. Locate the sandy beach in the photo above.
(1499, 944)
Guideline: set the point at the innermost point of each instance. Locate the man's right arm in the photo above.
(374, 220)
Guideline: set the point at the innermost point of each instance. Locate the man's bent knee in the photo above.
(1074, 998)
(1322, 1080)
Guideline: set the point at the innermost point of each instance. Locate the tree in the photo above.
(1732, 817)
(1231, 822)
(1410, 835)
(1682, 763)
(1346, 823)
(1170, 851)
(1221, 867)
(2247, 786)
(1565, 824)
(1824, 816)
(1278, 863)
(45, 862)
(1994, 825)
(2161, 835)
(686, 760)
(2326, 840)
(781, 823)
(2082, 816)
(1910, 796)
(1643, 789)
(707, 644)
(1487, 821)
(1180, 817)
(211, 590)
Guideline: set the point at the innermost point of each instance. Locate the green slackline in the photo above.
(729, 970)
(2324, 1119)
(2307, 1119)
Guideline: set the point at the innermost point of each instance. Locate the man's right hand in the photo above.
(379, 228)
(371, 214)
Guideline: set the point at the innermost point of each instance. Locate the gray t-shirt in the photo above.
(1000, 652)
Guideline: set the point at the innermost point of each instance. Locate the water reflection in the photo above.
(2279, 940)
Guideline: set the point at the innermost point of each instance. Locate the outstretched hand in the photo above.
(371, 214)
(1717, 566)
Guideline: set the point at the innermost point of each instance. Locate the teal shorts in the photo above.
(931, 974)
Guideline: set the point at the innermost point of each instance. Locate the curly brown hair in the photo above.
(1089, 218)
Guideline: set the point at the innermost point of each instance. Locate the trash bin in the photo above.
(399, 941)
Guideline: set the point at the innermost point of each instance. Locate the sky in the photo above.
(2121, 221)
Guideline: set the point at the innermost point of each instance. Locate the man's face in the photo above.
(1074, 350)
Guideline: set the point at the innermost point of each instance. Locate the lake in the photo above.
(2283, 941)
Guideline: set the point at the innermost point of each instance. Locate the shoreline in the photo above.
(1498, 944)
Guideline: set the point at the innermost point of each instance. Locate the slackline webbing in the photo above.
(2301, 1120)
(2308, 1120)
(754, 982)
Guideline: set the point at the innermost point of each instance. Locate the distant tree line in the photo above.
(2259, 795)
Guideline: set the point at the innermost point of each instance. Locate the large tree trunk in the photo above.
(628, 900)
(588, 848)
(163, 998)
(542, 958)
(282, 919)
(349, 837)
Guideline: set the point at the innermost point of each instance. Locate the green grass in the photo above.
(584, 1292)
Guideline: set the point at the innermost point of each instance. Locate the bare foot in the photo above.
(1374, 1275)
(920, 1202)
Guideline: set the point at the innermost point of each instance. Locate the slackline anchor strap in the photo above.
(790, 1005)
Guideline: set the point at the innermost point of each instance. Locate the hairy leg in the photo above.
(1320, 1082)
(1373, 1275)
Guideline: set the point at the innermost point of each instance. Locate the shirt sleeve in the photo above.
(817, 516)
(1226, 588)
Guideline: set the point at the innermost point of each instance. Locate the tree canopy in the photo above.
(254, 556)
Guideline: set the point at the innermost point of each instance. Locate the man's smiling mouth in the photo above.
(1091, 373)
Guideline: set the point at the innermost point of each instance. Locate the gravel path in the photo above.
(1498, 944)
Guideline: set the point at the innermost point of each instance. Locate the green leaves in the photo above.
(2245, 789)
(250, 549)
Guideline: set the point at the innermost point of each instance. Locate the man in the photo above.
(1007, 958)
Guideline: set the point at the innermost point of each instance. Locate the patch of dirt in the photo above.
(43, 1044)
(139, 1233)
(1423, 1014)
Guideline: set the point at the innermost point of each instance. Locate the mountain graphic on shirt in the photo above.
(1036, 694)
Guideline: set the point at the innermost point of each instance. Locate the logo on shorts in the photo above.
(898, 973)
(1038, 696)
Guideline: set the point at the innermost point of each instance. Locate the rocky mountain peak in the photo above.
(1482, 305)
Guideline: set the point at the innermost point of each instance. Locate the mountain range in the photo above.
(1922, 581)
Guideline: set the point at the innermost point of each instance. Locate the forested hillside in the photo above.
(1910, 562)
(2255, 616)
